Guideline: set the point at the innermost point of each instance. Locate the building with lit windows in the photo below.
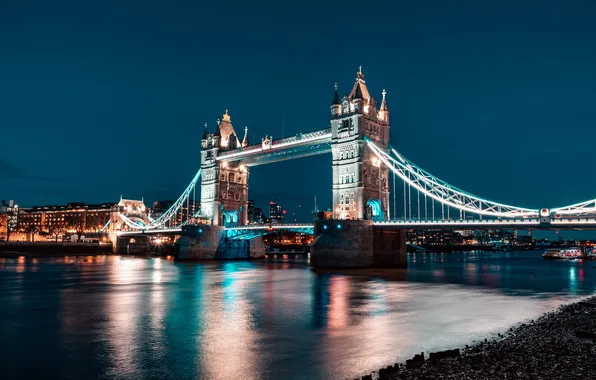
(10, 212)
(276, 213)
(73, 217)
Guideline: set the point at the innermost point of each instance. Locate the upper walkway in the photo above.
(300, 145)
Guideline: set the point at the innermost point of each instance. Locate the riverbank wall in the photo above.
(52, 248)
(559, 345)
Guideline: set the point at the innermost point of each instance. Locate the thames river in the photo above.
(116, 317)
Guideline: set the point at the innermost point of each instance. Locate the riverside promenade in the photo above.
(559, 345)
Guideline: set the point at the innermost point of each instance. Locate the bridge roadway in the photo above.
(521, 223)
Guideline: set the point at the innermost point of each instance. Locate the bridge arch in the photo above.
(230, 218)
(374, 210)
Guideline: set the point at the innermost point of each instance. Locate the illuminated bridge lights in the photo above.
(580, 215)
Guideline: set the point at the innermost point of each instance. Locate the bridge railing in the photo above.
(460, 222)
(274, 227)
(288, 141)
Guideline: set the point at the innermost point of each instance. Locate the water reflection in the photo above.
(122, 317)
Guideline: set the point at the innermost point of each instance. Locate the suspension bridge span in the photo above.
(368, 225)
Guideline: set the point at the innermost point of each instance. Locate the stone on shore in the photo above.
(559, 345)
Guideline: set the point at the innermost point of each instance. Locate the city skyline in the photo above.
(505, 114)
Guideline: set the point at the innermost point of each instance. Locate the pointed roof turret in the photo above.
(335, 96)
(217, 132)
(226, 117)
(384, 103)
(205, 133)
(226, 130)
(245, 139)
(359, 91)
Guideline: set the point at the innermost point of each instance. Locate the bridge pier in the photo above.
(211, 243)
(131, 245)
(356, 244)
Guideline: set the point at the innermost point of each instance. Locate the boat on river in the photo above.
(562, 253)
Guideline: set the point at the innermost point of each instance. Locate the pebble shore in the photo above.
(558, 345)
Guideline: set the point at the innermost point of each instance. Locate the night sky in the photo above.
(103, 98)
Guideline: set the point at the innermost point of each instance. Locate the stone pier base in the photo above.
(211, 243)
(131, 245)
(356, 244)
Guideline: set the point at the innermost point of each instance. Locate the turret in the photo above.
(359, 95)
(205, 132)
(228, 139)
(336, 104)
(245, 139)
(384, 111)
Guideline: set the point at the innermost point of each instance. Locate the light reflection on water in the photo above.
(132, 318)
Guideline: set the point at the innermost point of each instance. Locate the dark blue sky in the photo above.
(99, 99)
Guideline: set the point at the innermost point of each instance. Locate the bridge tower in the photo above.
(360, 188)
(224, 185)
(360, 185)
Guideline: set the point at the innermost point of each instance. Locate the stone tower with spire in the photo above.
(360, 181)
(224, 185)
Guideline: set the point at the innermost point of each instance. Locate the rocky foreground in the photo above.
(559, 345)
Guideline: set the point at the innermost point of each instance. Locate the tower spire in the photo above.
(205, 133)
(359, 74)
(245, 140)
(384, 111)
(226, 117)
(359, 91)
(384, 103)
(335, 96)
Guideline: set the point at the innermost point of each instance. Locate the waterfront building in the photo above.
(434, 237)
(72, 217)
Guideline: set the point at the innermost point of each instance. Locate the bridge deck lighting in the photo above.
(324, 226)
(339, 226)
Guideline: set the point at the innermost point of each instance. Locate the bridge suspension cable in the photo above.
(587, 207)
(443, 192)
(166, 216)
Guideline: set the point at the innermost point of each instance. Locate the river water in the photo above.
(113, 317)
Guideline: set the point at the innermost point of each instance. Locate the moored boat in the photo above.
(562, 253)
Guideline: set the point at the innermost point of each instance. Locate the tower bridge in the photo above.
(363, 231)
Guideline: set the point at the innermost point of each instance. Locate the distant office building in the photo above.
(276, 213)
(159, 207)
(259, 216)
(255, 214)
(73, 217)
(186, 211)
